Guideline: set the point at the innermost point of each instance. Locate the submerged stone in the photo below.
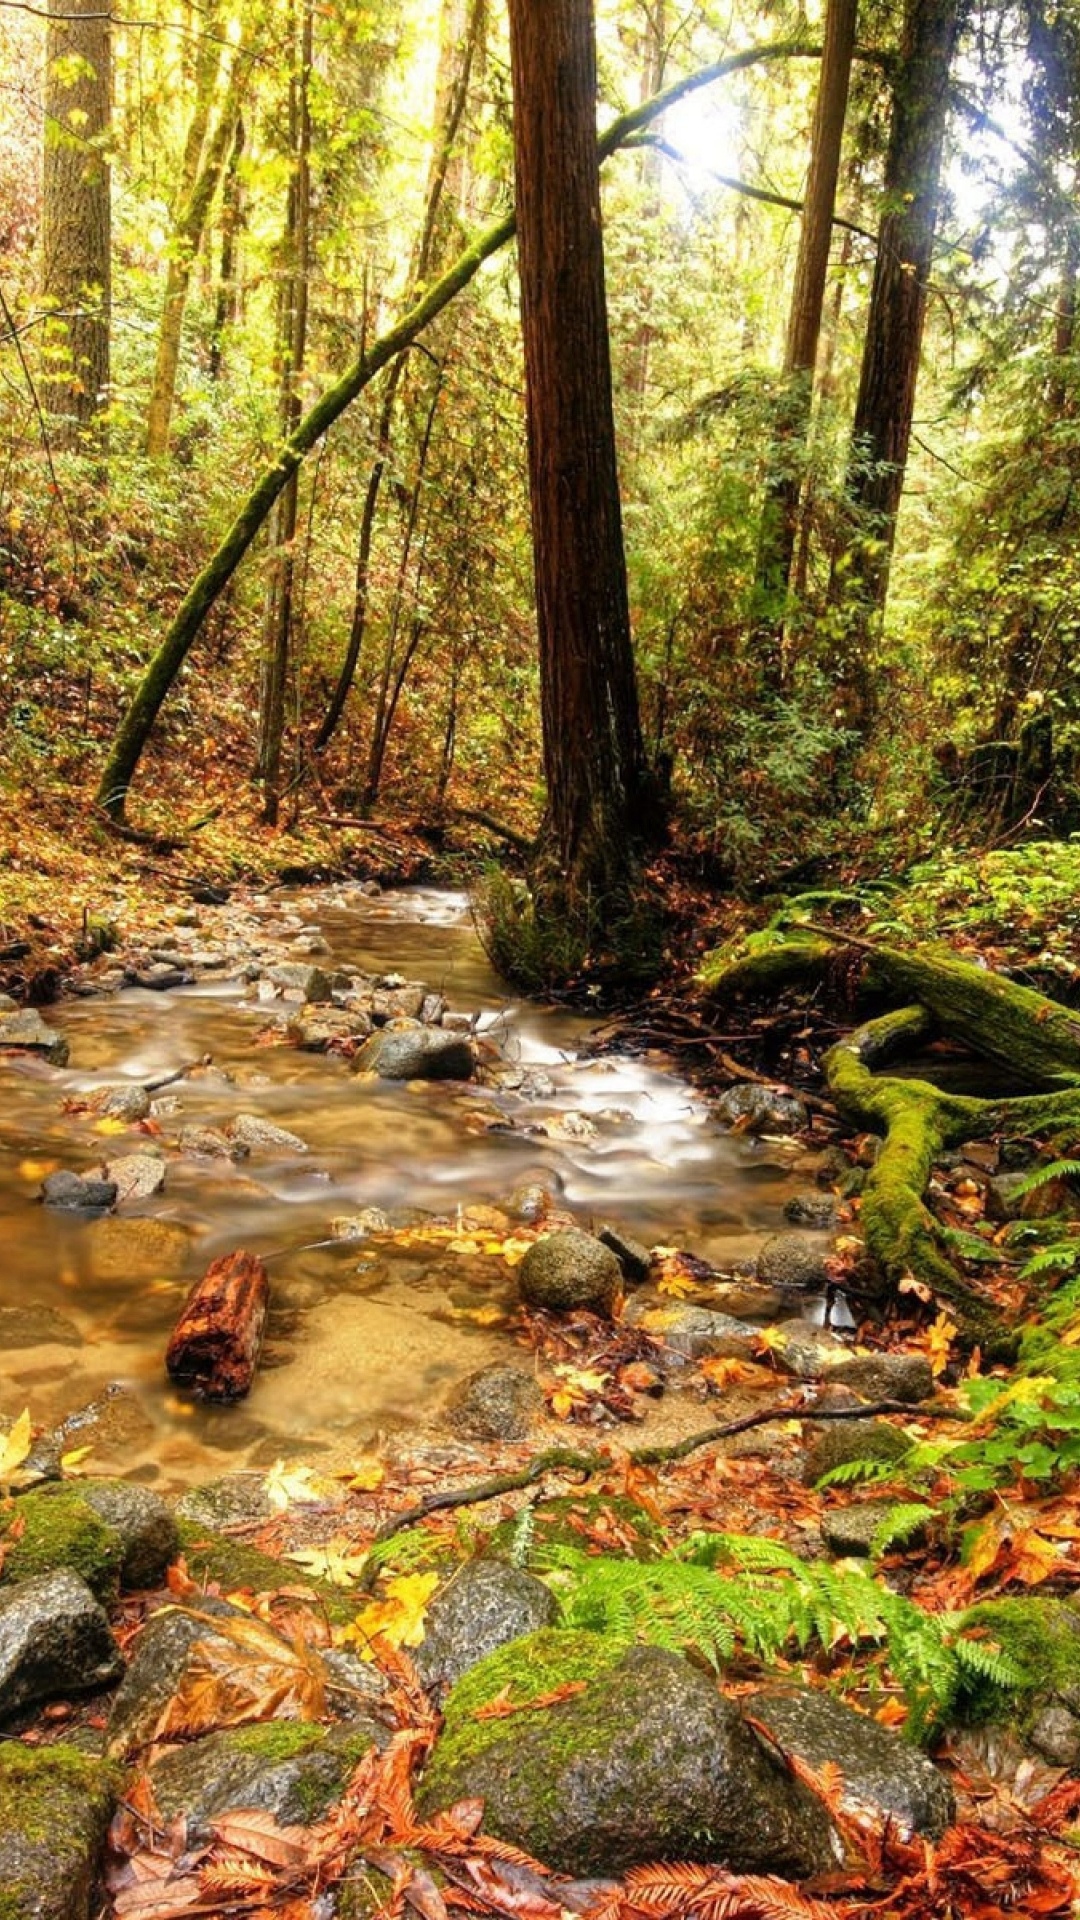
(565, 1271)
(27, 1032)
(67, 1192)
(496, 1403)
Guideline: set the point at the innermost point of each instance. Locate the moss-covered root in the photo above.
(1033, 1037)
(764, 964)
(917, 1123)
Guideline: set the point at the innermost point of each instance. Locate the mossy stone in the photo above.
(293, 1769)
(575, 1520)
(60, 1529)
(567, 1271)
(55, 1806)
(850, 1440)
(1040, 1638)
(232, 1567)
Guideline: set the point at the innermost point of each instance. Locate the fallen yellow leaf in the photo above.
(399, 1617)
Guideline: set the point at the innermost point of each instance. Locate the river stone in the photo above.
(795, 1261)
(762, 1110)
(846, 1440)
(398, 1003)
(648, 1762)
(145, 1523)
(1055, 1734)
(497, 1403)
(136, 1176)
(565, 1271)
(54, 1641)
(210, 1143)
(485, 1604)
(248, 1130)
(8, 1004)
(67, 1192)
(886, 1376)
(417, 1053)
(36, 1327)
(129, 1104)
(292, 1769)
(884, 1776)
(294, 976)
(316, 1029)
(849, 1531)
(27, 1032)
(52, 1526)
(634, 1259)
(55, 1807)
(805, 1350)
(811, 1208)
(158, 1664)
(692, 1333)
(160, 976)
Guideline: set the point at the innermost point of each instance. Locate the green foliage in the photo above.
(901, 1524)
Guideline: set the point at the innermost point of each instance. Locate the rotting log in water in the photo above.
(215, 1344)
(1033, 1038)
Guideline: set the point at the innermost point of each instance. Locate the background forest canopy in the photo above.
(841, 288)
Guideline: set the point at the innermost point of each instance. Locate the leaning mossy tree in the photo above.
(917, 996)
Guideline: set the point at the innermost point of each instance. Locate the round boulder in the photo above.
(417, 1053)
(795, 1262)
(565, 1271)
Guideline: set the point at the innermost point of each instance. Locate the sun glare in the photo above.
(702, 137)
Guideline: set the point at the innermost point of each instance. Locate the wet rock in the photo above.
(748, 1300)
(136, 1176)
(55, 1807)
(310, 943)
(233, 1500)
(36, 1327)
(811, 1208)
(78, 1193)
(531, 1202)
(356, 1226)
(850, 1531)
(316, 1029)
(148, 1533)
(564, 1271)
(210, 1143)
(846, 1440)
(132, 1247)
(692, 1333)
(647, 1762)
(1055, 1734)
(761, 1110)
(432, 1009)
(417, 1053)
(884, 1776)
(159, 976)
(157, 1666)
(806, 1351)
(249, 1131)
(887, 1376)
(310, 983)
(115, 1422)
(292, 1769)
(129, 1104)
(497, 1403)
(795, 1262)
(458, 1022)
(398, 1003)
(54, 1641)
(26, 1031)
(634, 1259)
(51, 1527)
(483, 1606)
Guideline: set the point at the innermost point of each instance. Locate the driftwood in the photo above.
(215, 1343)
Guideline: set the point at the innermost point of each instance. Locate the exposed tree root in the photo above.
(1034, 1039)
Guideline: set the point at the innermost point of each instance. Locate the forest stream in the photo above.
(367, 1334)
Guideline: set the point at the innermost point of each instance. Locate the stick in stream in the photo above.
(215, 1344)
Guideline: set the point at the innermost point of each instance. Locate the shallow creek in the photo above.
(364, 1337)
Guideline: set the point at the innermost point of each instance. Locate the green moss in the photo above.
(762, 964)
(276, 1740)
(1040, 1638)
(534, 1665)
(59, 1529)
(559, 1523)
(214, 1560)
(55, 1805)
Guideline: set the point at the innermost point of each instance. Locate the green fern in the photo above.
(1054, 1259)
(969, 1245)
(899, 1524)
(1042, 1176)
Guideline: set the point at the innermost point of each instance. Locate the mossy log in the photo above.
(1034, 1040)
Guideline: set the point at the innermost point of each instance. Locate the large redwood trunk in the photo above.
(594, 759)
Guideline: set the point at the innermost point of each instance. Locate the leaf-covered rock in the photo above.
(883, 1776)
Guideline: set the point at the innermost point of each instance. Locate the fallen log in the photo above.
(215, 1343)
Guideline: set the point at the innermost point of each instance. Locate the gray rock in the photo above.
(634, 1259)
(248, 1130)
(484, 1605)
(57, 1803)
(884, 1776)
(160, 976)
(290, 1768)
(811, 1208)
(1055, 1734)
(27, 1032)
(692, 1333)
(54, 1641)
(316, 1029)
(564, 1271)
(761, 1110)
(795, 1261)
(36, 1327)
(294, 976)
(846, 1440)
(158, 1663)
(417, 1053)
(497, 1403)
(849, 1531)
(806, 1351)
(887, 1376)
(209, 1143)
(78, 1193)
(129, 1104)
(647, 1762)
(310, 943)
(398, 1003)
(233, 1500)
(136, 1176)
(145, 1523)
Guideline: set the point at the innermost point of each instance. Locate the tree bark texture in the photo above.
(594, 759)
(76, 213)
(215, 1343)
(890, 364)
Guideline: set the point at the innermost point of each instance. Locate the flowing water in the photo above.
(364, 1336)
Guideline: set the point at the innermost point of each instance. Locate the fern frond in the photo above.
(851, 1473)
(899, 1524)
(1042, 1176)
(1053, 1259)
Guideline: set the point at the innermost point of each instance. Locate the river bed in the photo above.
(365, 1338)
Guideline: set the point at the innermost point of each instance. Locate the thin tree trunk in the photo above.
(139, 718)
(890, 364)
(76, 265)
(594, 760)
(780, 511)
(226, 306)
(277, 635)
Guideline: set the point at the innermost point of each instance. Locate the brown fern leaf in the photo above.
(232, 1876)
(709, 1893)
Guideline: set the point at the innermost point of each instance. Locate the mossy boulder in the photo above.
(55, 1806)
(149, 1540)
(643, 1759)
(850, 1440)
(231, 1567)
(567, 1271)
(481, 1607)
(58, 1528)
(1039, 1640)
(293, 1769)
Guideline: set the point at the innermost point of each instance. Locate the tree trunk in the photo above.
(227, 304)
(780, 511)
(277, 629)
(139, 719)
(76, 215)
(599, 813)
(894, 329)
